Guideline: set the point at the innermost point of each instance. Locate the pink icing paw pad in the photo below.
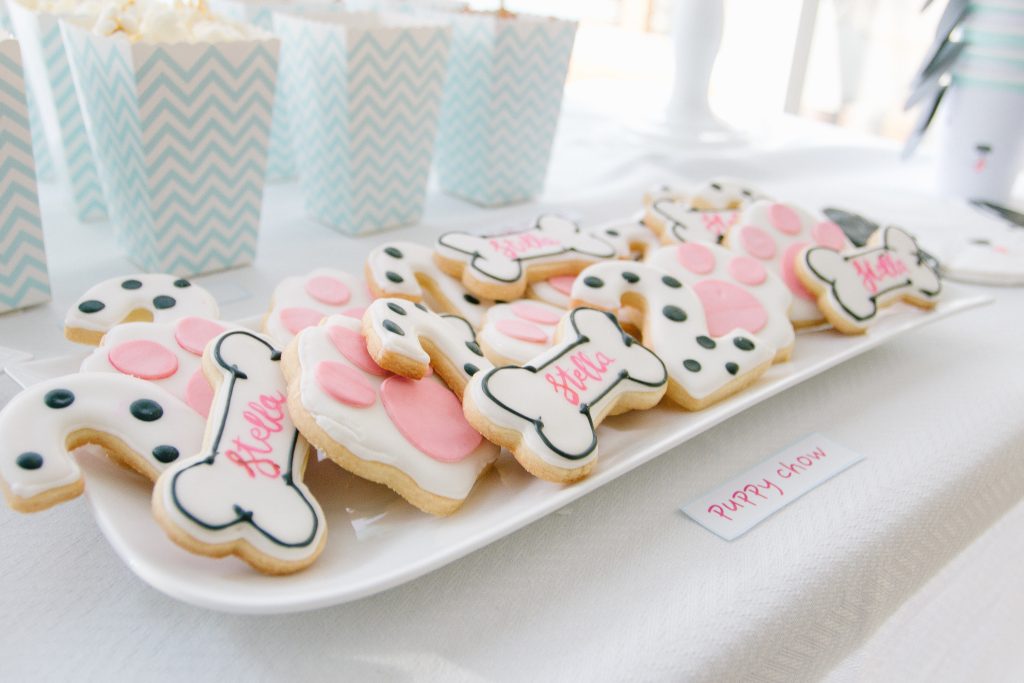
(736, 292)
(775, 234)
(852, 285)
(518, 332)
(303, 301)
(140, 424)
(375, 424)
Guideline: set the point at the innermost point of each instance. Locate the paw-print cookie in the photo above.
(500, 266)
(242, 492)
(138, 424)
(516, 333)
(303, 301)
(153, 297)
(702, 368)
(775, 234)
(409, 435)
(554, 291)
(852, 285)
(169, 355)
(407, 270)
(736, 292)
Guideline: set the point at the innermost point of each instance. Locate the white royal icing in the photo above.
(631, 239)
(563, 395)
(665, 191)
(675, 327)
(857, 282)
(165, 297)
(36, 424)
(520, 331)
(397, 268)
(369, 432)
(245, 484)
(682, 223)
(719, 194)
(735, 291)
(775, 234)
(400, 326)
(505, 259)
(298, 299)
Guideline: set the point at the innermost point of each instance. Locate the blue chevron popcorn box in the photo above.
(180, 132)
(280, 157)
(23, 277)
(49, 77)
(365, 94)
(502, 100)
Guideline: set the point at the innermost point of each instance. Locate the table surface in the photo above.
(619, 584)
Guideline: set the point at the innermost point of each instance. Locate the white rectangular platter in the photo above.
(376, 541)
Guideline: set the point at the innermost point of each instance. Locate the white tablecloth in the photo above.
(620, 585)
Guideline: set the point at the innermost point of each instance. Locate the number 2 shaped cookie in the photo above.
(702, 369)
(500, 266)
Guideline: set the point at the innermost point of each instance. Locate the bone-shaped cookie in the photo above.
(148, 297)
(852, 285)
(702, 368)
(676, 220)
(243, 493)
(138, 424)
(547, 412)
(407, 270)
(408, 339)
(500, 266)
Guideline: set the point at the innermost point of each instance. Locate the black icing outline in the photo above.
(426, 311)
(678, 227)
(921, 260)
(538, 425)
(475, 256)
(234, 374)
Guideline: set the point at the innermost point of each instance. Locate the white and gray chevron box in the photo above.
(502, 100)
(23, 277)
(49, 77)
(364, 98)
(180, 133)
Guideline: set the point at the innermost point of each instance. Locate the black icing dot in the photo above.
(706, 342)
(691, 365)
(58, 398)
(471, 299)
(91, 306)
(393, 328)
(393, 276)
(396, 308)
(671, 282)
(732, 368)
(393, 252)
(746, 193)
(716, 186)
(163, 301)
(146, 410)
(612, 233)
(630, 276)
(595, 282)
(674, 313)
(422, 307)
(182, 283)
(131, 284)
(743, 344)
(474, 347)
(470, 369)
(165, 454)
(29, 460)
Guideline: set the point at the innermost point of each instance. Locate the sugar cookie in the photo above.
(775, 234)
(169, 355)
(409, 435)
(500, 266)
(138, 424)
(409, 339)
(664, 191)
(547, 411)
(407, 270)
(702, 368)
(852, 285)
(555, 290)
(631, 239)
(675, 220)
(516, 333)
(303, 301)
(736, 292)
(242, 493)
(152, 297)
(720, 194)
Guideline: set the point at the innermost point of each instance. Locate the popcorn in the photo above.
(152, 21)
